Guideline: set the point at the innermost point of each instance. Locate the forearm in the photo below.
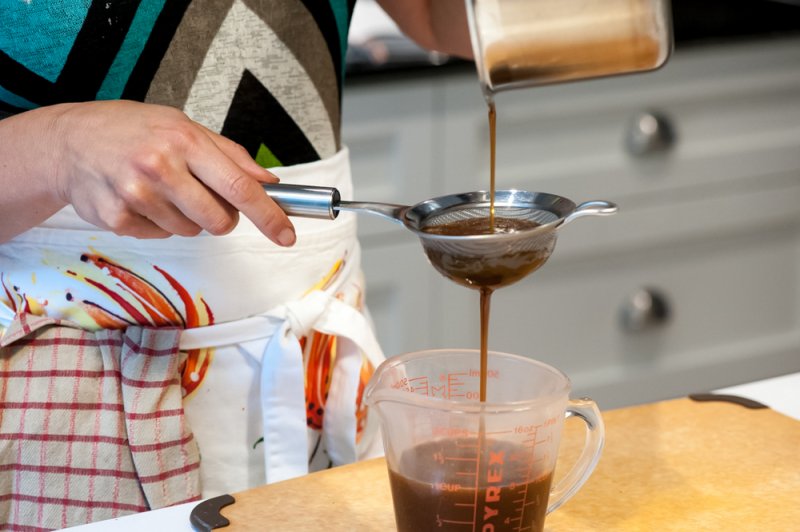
(27, 166)
(439, 25)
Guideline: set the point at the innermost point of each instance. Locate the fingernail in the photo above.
(286, 237)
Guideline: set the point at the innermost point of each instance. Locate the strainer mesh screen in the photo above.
(447, 216)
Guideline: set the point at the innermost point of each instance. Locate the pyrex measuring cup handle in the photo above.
(587, 410)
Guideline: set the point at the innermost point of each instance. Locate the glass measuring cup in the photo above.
(461, 465)
(522, 43)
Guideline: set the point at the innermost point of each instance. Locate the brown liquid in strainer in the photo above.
(489, 271)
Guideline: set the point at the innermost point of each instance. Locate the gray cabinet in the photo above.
(703, 158)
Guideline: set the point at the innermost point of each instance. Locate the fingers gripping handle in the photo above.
(586, 410)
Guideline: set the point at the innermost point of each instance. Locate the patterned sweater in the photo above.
(265, 73)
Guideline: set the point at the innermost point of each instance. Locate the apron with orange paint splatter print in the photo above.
(278, 346)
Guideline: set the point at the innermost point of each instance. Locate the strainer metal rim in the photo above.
(559, 206)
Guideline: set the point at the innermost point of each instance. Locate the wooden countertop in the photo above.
(675, 465)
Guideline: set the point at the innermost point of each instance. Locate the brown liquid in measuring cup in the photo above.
(504, 495)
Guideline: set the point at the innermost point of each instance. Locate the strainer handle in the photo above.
(311, 201)
(390, 211)
(587, 411)
(592, 208)
(304, 200)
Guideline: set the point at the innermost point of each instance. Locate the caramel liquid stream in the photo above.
(486, 293)
(486, 300)
(492, 159)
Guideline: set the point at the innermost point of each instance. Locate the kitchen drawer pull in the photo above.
(649, 133)
(645, 309)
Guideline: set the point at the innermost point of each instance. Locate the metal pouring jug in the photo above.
(523, 43)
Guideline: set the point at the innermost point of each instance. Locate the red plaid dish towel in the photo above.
(91, 424)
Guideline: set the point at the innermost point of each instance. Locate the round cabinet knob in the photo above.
(646, 308)
(649, 133)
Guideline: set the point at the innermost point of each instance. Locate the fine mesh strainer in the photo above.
(487, 260)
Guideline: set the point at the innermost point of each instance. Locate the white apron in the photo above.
(263, 407)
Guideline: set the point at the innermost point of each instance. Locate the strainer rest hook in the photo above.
(591, 208)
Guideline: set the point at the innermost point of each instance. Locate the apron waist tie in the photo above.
(283, 402)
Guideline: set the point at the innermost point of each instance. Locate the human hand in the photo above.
(148, 171)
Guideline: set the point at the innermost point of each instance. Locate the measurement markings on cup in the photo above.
(419, 385)
(451, 386)
(455, 385)
(460, 517)
(479, 450)
(441, 522)
(524, 501)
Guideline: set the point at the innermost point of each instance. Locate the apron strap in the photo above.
(283, 407)
(282, 382)
(283, 402)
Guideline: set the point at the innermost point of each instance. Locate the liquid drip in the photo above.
(492, 161)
